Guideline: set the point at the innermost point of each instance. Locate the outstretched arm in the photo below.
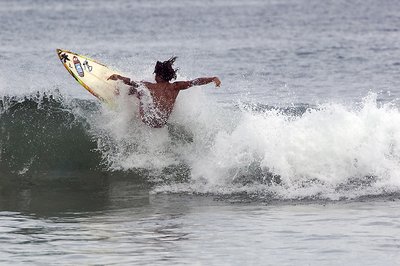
(127, 81)
(183, 85)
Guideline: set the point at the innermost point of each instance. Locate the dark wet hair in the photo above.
(165, 70)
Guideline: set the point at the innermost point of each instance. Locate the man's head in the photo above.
(164, 70)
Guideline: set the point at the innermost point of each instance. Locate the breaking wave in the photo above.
(329, 151)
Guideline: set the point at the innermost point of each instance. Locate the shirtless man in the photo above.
(163, 92)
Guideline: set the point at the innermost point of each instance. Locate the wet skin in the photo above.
(164, 95)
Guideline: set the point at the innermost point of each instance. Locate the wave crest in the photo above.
(40, 134)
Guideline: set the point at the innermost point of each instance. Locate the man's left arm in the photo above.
(125, 80)
(133, 85)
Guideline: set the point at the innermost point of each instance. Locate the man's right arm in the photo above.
(183, 85)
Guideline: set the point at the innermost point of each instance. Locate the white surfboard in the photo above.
(91, 75)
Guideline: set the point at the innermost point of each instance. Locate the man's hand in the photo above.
(114, 77)
(217, 81)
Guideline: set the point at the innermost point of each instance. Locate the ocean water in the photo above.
(294, 160)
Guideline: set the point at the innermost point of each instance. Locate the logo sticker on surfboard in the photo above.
(64, 58)
(87, 66)
(78, 66)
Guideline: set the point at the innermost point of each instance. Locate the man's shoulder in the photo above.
(149, 85)
(158, 86)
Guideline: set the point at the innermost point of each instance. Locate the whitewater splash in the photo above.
(327, 151)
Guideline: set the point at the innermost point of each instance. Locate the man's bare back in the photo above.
(163, 93)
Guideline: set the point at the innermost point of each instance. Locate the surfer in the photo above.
(163, 92)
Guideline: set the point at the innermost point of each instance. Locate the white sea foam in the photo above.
(325, 150)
